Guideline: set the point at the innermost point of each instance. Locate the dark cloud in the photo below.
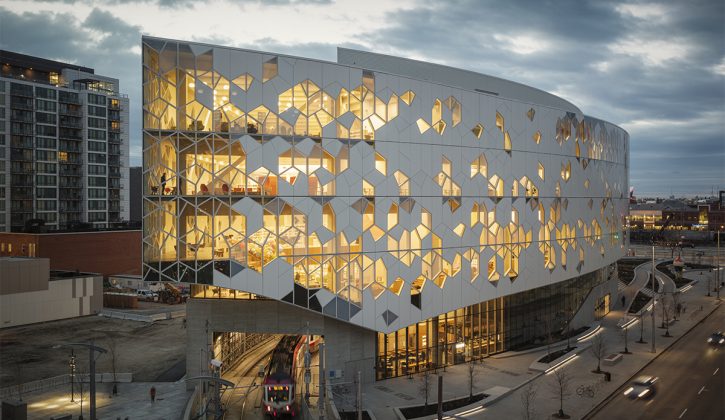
(649, 67)
(650, 74)
(161, 3)
(102, 42)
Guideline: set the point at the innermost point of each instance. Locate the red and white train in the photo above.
(278, 398)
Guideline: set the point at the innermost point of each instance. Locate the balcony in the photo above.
(73, 171)
(70, 123)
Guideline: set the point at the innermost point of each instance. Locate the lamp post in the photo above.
(72, 366)
(92, 349)
(653, 298)
(717, 265)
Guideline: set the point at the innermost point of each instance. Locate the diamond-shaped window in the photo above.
(477, 130)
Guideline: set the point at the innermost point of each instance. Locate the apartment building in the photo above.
(64, 145)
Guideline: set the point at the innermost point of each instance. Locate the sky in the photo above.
(657, 69)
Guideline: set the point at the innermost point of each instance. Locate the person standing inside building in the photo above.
(163, 183)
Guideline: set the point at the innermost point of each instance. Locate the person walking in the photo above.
(152, 392)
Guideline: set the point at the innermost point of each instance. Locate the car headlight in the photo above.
(630, 389)
(709, 340)
(722, 340)
(643, 393)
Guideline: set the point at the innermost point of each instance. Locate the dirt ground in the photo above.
(149, 351)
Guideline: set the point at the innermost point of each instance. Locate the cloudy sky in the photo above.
(656, 69)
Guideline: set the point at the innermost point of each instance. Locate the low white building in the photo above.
(30, 292)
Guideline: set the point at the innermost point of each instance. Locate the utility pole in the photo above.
(440, 397)
(653, 298)
(308, 374)
(322, 393)
(717, 266)
(358, 382)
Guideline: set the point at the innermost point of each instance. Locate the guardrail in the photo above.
(56, 381)
(142, 318)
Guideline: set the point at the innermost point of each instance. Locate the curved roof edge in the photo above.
(452, 76)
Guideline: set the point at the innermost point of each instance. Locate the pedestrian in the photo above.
(623, 300)
(684, 308)
(152, 392)
(163, 183)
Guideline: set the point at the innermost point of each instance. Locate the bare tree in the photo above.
(528, 397)
(676, 305)
(425, 386)
(19, 380)
(561, 382)
(598, 349)
(112, 345)
(666, 312)
(81, 376)
(472, 373)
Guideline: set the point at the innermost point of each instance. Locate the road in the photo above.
(691, 381)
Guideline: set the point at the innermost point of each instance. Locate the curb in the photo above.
(611, 396)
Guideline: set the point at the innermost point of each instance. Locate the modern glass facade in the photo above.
(480, 330)
(389, 195)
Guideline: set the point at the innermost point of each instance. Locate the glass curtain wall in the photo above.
(512, 322)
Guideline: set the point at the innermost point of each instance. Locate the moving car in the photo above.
(716, 339)
(641, 387)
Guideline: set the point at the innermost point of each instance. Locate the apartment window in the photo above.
(96, 158)
(62, 156)
(43, 105)
(96, 170)
(96, 99)
(48, 155)
(95, 146)
(46, 93)
(71, 97)
(45, 143)
(96, 134)
(47, 180)
(96, 193)
(96, 217)
(54, 78)
(96, 123)
(46, 192)
(96, 111)
(46, 168)
(96, 182)
(45, 118)
(46, 205)
(97, 205)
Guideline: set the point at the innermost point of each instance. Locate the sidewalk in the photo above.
(132, 401)
(503, 378)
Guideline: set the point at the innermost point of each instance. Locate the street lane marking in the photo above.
(701, 389)
(683, 413)
(715, 373)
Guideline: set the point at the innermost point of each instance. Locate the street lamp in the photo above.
(72, 366)
(654, 295)
(92, 349)
(717, 254)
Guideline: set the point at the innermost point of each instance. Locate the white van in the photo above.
(147, 295)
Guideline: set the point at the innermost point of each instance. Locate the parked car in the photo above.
(716, 339)
(641, 387)
(147, 295)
